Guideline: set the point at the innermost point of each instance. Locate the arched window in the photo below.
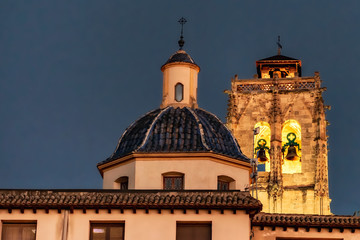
(225, 183)
(291, 146)
(262, 145)
(179, 92)
(122, 183)
(173, 181)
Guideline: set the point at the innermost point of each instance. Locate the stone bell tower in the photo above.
(278, 117)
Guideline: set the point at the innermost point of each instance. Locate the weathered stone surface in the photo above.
(276, 100)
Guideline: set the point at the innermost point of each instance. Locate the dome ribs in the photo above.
(177, 130)
(133, 136)
(218, 136)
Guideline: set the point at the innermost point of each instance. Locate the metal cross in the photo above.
(181, 42)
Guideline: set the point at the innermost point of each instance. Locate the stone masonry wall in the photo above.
(305, 192)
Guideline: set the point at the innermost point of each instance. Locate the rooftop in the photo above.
(306, 220)
(129, 199)
(174, 130)
(279, 58)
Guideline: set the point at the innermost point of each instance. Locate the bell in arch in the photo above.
(261, 154)
(292, 154)
(291, 145)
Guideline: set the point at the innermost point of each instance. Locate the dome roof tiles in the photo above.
(177, 130)
(129, 199)
(180, 56)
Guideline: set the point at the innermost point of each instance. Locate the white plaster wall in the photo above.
(138, 226)
(198, 174)
(324, 234)
(126, 169)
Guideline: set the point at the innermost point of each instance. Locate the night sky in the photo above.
(74, 74)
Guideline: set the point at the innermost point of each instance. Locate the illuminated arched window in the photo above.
(291, 146)
(262, 146)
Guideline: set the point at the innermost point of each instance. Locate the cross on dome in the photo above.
(181, 42)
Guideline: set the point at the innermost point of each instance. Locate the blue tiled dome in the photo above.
(179, 57)
(178, 130)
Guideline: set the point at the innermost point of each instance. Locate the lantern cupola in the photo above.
(278, 66)
(180, 73)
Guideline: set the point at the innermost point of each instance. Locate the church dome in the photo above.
(178, 130)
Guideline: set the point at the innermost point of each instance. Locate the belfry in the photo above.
(278, 117)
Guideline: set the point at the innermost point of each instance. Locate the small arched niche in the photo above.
(291, 139)
(173, 181)
(225, 183)
(122, 183)
(262, 144)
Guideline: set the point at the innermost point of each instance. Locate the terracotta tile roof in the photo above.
(305, 220)
(177, 130)
(133, 199)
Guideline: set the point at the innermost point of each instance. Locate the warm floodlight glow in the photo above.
(291, 166)
(265, 133)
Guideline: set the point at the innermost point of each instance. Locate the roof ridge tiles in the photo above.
(201, 129)
(306, 220)
(130, 199)
(151, 128)
(173, 130)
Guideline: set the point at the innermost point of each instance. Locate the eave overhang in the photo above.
(130, 199)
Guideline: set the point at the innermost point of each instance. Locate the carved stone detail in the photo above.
(276, 100)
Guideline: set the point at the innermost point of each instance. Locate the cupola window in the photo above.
(225, 183)
(173, 181)
(122, 183)
(179, 92)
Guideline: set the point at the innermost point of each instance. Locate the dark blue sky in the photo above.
(74, 74)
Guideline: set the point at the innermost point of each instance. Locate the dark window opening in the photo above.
(107, 231)
(225, 183)
(18, 231)
(123, 183)
(193, 231)
(222, 185)
(173, 181)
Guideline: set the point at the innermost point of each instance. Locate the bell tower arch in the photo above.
(295, 176)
